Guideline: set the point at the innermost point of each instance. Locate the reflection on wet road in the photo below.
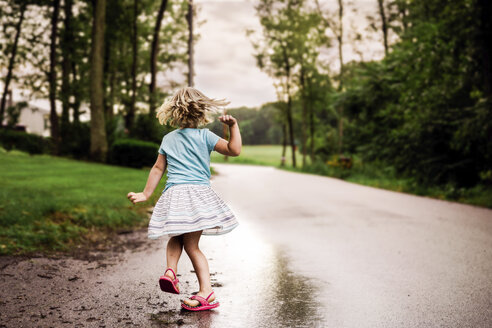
(255, 285)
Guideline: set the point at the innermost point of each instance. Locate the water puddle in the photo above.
(255, 285)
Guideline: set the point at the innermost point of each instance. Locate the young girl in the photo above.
(188, 207)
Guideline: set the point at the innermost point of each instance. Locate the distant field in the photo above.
(260, 155)
(51, 203)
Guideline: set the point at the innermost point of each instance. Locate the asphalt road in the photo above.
(309, 252)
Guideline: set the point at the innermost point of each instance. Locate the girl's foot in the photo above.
(194, 303)
(169, 282)
(200, 303)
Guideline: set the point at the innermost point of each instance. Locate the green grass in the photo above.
(259, 155)
(51, 203)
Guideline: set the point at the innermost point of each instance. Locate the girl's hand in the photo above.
(136, 197)
(228, 120)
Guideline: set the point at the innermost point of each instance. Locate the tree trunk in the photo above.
(289, 105)
(291, 129)
(284, 144)
(130, 117)
(189, 18)
(99, 146)
(10, 68)
(55, 133)
(384, 25)
(67, 50)
(76, 95)
(304, 115)
(340, 85)
(484, 9)
(153, 57)
(311, 126)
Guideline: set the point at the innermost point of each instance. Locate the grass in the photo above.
(269, 155)
(51, 203)
(369, 174)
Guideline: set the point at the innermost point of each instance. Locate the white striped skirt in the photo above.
(186, 208)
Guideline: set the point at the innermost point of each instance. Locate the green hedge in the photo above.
(133, 153)
(31, 143)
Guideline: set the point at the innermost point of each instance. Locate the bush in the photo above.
(148, 128)
(133, 153)
(31, 143)
(77, 143)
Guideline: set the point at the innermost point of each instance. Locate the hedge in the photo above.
(31, 143)
(133, 153)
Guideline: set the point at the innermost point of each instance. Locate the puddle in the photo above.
(257, 287)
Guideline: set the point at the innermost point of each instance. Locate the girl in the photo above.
(188, 207)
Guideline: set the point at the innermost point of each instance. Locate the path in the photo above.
(310, 252)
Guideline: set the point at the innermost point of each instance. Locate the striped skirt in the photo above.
(185, 208)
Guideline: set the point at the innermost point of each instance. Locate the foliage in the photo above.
(258, 126)
(31, 143)
(148, 128)
(423, 107)
(133, 153)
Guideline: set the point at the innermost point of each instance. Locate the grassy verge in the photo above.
(369, 174)
(269, 155)
(51, 203)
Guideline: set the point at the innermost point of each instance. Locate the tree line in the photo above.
(425, 108)
(107, 53)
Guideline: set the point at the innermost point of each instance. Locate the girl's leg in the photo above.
(200, 265)
(173, 253)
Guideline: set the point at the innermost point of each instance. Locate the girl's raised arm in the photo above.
(155, 176)
(233, 147)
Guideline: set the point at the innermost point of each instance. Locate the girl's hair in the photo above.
(188, 107)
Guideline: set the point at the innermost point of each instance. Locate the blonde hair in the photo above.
(188, 107)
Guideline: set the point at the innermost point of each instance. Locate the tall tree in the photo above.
(99, 145)
(384, 25)
(189, 17)
(67, 52)
(130, 116)
(153, 56)
(55, 132)
(13, 54)
(284, 49)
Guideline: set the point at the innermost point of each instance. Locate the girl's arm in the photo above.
(233, 147)
(155, 176)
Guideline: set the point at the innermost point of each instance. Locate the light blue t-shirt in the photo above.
(188, 155)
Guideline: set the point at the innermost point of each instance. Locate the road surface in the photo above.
(310, 251)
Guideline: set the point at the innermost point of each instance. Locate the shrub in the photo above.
(133, 153)
(31, 143)
(77, 142)
(148, 128)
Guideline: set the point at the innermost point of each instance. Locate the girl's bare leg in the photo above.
(173, 253)
(200, 264)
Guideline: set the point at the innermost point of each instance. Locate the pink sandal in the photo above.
(169, 285)
(204, 304)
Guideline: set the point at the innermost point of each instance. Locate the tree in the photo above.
(384, 25)
(99, 146)
(18, 28)
(55, 133)
(286, 26)
(67, 43)
(153, 57)
(336, 26)
(189, 17)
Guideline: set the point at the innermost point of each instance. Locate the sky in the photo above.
(224, 62)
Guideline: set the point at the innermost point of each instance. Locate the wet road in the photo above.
(309, 252)
(336, 254)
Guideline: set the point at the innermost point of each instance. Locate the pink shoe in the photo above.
(169, 285)
(204, 304)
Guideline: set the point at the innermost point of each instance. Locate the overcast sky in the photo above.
(224, 65)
